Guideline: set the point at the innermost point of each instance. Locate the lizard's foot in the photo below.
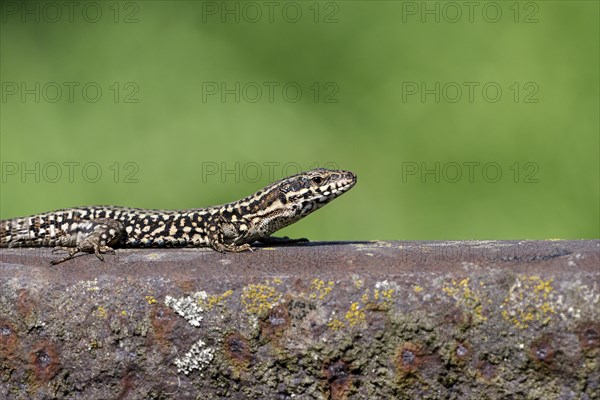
(107, 250)
(103, 249)
(240, 248)
(230, 247)
(71, 254)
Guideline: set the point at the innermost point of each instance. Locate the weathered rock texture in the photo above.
(370, 320)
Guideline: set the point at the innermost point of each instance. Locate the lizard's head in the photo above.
(290, 199)
(311, 190)
(297, 196)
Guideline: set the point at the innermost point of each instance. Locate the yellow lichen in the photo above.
(546, 308)
(365, 297)
(450, 291)
(94, 344)
(259, 298)
(335, 324)
(417, 288)
(355, 315)
(529, 300)
(124, 313)
(101, 312)
(151, 300)
(320, 290)
(466, 298)
(544, 287)
(211, 301)
(382, 294)
(379, 297)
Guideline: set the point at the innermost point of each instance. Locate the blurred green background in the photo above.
(426, 101)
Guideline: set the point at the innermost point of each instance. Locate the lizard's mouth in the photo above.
(325, 194)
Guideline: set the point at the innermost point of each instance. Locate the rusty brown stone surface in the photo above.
(363, 320)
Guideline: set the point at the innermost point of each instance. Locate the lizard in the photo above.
(231, 227)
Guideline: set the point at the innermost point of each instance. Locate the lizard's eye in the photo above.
(317, 180)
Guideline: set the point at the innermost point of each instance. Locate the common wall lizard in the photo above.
(230, 227)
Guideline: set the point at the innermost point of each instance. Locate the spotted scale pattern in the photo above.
(230, 227)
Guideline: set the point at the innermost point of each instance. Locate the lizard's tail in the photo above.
(5, 228)
(13, 231)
